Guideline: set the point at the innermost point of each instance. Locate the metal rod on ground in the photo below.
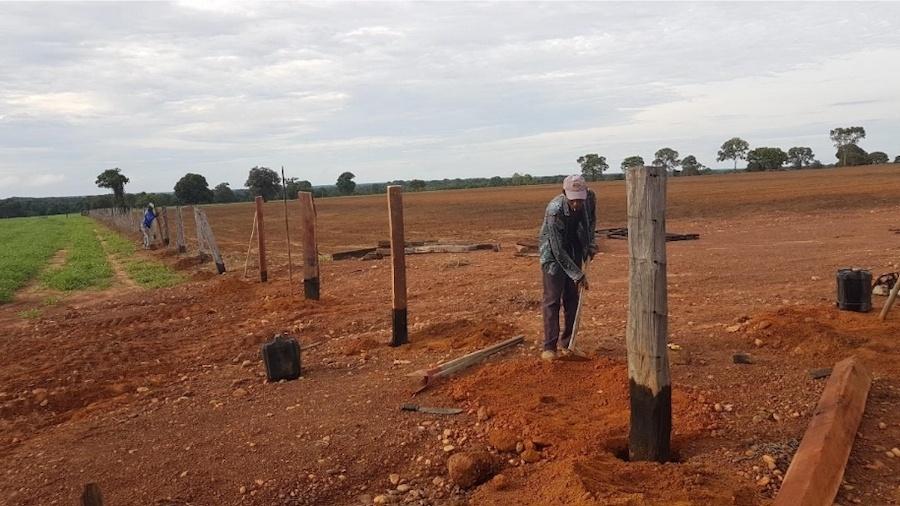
(890, 301)
(648, 362)
(261, 236)
(287, 232)
(250, 245)
(179, 238)
(165, 226)
(310, 248)
(400, 334)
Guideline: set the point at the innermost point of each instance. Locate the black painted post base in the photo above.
(166, 241)
(400, 336)
(264, 276)
(182, 249)
(220, 268)
(311, 288)
(651, 424)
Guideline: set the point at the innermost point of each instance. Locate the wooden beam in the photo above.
(429, 376)
(399, 315)
(179, 232)
(310, 246)
(817, 468)
(890, 301)
(648, 362)
(261, 237)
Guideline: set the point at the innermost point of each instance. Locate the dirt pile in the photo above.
(458, 334)
(559, 427)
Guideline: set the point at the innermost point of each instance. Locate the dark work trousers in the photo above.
(558, 288)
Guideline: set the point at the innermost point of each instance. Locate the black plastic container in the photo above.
(281, 357)
(854, 290)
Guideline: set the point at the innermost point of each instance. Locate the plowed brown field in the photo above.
(159, 396)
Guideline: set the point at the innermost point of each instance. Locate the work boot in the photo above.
(548, 355)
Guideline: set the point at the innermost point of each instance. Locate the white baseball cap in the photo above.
(575, 187)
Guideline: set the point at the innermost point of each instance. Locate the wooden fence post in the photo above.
(400, 334)
(310, 246)
(648, 362)
(165, 226)
(91, 496)
(261, 236)
(179, 237)
(206, 237)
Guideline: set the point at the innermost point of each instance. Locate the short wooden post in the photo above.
(206, 237)
(165, 226)
(261, 236)
(179, 238)
(310, 246)
(648, 363)
(398, 266)
(91, 495)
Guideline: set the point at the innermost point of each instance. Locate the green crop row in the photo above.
(27, 245)
(144, 271)
(86, 265)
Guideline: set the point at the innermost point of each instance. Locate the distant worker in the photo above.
(147, 224)
(566, 241)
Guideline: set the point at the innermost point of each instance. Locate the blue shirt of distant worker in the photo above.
(147, 224)
(566, 242)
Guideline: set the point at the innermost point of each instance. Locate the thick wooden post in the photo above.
(648, 362)
(206, 238)
(179, 237)
(261, 236)
(398, 266)
(165, 226)
(310, 247)
(91, 495)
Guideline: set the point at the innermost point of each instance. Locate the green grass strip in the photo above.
(27, 245)
(146, 272)
(86, 264)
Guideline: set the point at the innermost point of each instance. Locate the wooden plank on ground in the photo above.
(817, 468)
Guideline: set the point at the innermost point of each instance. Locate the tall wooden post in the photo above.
(165, 226)
(261, 236)
(398, 266)
(648, 361)
(179, 232)
(310, 246)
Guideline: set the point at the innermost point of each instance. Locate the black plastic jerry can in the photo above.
(281, 357)
(854, 290)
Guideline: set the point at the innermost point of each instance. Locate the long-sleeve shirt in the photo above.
(149, 216)
(557, 248)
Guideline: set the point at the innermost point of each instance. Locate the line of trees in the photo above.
(194, 188)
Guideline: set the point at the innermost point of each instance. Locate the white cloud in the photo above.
(404, 90)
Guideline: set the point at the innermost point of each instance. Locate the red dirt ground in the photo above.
(159, 396)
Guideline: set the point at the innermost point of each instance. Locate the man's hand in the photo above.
(583, 282)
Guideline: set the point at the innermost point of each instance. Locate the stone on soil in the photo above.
(502, 440)
(468, 469)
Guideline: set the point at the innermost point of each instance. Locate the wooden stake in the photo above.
(398, 266)
(249, 245)
(202, 247)
(287, 232)
(165, 226)
(179, 238)
(648, 363)
(890, 301)
(261, 236)
(310, 247)
(91, 495)
(205, 231)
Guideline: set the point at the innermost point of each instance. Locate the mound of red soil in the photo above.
(459, 334)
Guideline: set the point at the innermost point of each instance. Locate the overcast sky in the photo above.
(426, 90)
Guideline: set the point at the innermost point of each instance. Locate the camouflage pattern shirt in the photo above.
(556, 254)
